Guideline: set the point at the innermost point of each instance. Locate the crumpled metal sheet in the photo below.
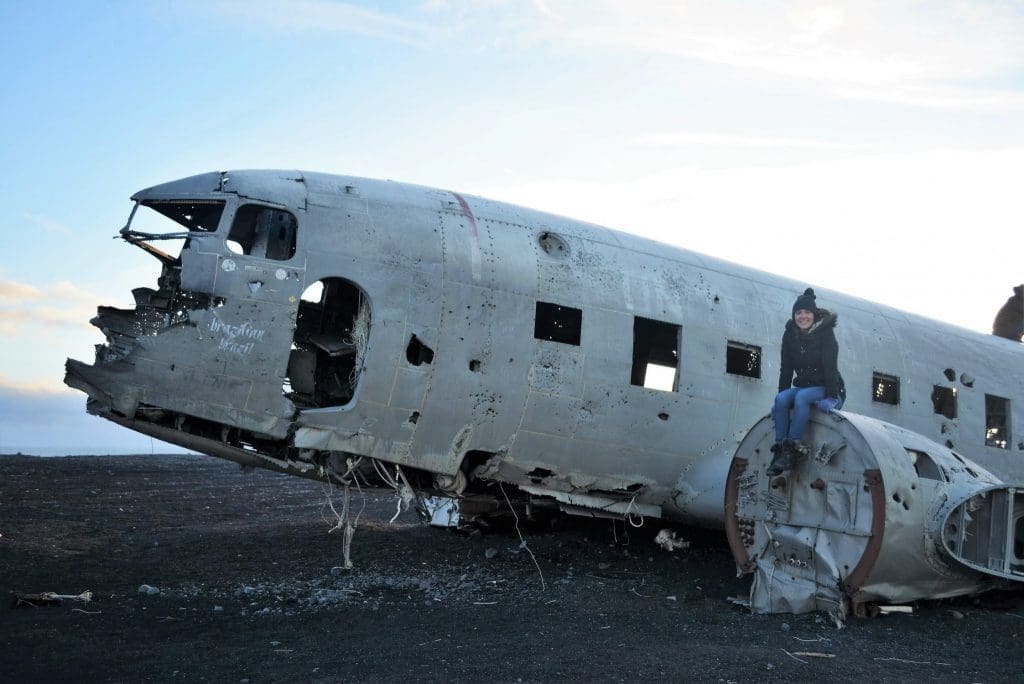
(859, 524)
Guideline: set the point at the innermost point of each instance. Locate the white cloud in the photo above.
(930, 54)
(61, 304)
(12, 291)
(863, 42)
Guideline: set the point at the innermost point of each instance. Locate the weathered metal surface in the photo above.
(867, 522)
(423, 347)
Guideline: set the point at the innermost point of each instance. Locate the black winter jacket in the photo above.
(813, 356)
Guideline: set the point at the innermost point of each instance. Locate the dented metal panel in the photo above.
(861, 519)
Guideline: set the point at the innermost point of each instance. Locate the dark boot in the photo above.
(783, 459)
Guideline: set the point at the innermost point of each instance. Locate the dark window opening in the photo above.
(655, 354)
(885, 389)
(263, 232)
(997, 422)
(950, 374)
(418, 353)
(200, 216)
(944, 401)
(537, 475)
(743, 359)
(558, 323)
(331, 332)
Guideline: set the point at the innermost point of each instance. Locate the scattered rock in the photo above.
(490, 553)
(956, 613)
(148, 590)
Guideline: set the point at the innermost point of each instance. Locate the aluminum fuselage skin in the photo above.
(464, 275)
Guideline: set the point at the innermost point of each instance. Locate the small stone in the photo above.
(785, 626)
(148, 590)
(337, 570)
(218, 609)
(603, 566)
(670, 598)
(957, 614)
(490, 553)
(275, 643)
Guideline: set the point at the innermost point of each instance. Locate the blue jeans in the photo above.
(800, 399)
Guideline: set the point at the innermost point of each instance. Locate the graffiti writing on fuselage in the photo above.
(238, 339)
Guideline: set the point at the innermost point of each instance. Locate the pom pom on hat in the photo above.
(806, 301)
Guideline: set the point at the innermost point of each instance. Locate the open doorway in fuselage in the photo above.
(331, 333)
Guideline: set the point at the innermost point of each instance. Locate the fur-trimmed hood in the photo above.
(825, 319)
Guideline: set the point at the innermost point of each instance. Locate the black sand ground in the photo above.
(243, 565)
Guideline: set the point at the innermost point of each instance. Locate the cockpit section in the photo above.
(210, 344)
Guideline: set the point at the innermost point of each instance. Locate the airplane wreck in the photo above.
(339, 327)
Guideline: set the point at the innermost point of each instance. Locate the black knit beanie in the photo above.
(805, 301)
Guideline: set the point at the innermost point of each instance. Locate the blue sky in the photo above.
(869, 147)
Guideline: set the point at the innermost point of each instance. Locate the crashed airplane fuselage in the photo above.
(310, 320)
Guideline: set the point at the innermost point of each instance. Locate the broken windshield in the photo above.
(196, 216)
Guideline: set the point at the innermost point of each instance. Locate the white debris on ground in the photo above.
(668, 540)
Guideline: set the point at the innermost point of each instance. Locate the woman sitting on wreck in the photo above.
(810, 350)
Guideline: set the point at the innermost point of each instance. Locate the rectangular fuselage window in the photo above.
(743, 359)
(655, 354)
(997, 422)
(885, 389)
(558, 323)
(944, 401)
(263, 232)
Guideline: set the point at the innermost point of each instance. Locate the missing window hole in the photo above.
(944, 401)
(655, 354)
(997, 422)
(558, 323)
(885, 389)
(418, 353)
(743, 359)
(332, 329)
(950, 374)
(263, 232)
(925, 466)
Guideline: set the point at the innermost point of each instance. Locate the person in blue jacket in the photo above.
(808, 377)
